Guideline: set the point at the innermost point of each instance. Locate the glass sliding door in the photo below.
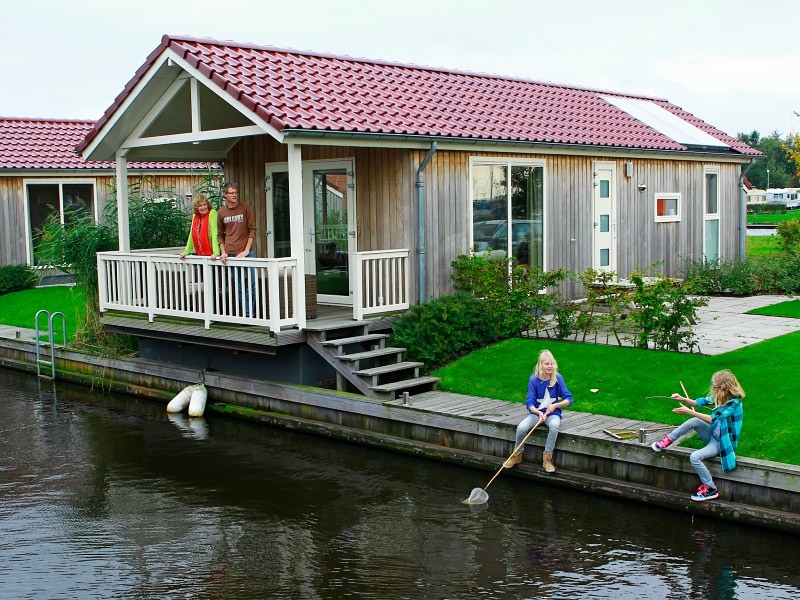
(507, 211)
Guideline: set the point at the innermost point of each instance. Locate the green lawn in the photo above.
(760, 246)
(19, 308)
(768, 218)
(624, 377)
(790, 308)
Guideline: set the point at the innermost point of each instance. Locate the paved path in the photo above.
(723, 325)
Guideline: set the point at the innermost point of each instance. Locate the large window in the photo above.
(507, 210)
(711, 214)
(59, 197)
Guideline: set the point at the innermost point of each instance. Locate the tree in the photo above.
(783, 170)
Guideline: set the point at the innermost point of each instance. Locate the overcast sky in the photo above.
(733, 63)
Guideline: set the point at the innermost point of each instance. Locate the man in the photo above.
(237, 232)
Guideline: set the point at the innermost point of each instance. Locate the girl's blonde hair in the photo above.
(544, 355)
(725, 386)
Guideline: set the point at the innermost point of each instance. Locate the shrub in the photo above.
(770, 208)
(440, 330)
(14, 278)
(664, 310)
(513, 294)
(789, 236)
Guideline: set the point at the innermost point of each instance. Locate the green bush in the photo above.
(440, 330)
(513, 294)
(14, 278)
(789, 236)
(774, 275)
(771, 207)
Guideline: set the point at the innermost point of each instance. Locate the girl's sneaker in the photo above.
(705, 493)
(661, 444)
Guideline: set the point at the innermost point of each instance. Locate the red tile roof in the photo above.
(294, 90)
(33, 144)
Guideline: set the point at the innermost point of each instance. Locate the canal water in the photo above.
(105, 496)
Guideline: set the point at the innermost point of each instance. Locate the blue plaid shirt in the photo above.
(729, 419)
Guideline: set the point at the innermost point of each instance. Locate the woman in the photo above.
(203, 232)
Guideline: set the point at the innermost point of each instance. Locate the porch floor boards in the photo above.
(585, 425)
(236, 336)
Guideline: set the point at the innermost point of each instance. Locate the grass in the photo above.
(770, 218)
(624, 377)
(790, 308)
(19, 309)
(762, 246)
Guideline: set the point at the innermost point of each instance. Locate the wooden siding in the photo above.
(12, 222)
(386, 200)
(14, 227)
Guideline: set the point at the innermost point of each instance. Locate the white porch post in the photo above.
(122, 202)
(296, 229)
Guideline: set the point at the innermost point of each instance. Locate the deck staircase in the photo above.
(362, 359)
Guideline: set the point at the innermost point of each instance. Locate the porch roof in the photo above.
(48, 144)
(295, 92)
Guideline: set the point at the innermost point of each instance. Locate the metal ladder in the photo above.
(52, 362)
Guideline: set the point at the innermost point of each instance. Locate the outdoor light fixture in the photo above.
(642, 187)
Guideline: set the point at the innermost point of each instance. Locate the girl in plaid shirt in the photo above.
(720, 430)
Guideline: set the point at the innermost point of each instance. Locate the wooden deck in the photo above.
(236, 337)
(579, 424)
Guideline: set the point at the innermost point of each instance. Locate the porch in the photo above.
(260, 295)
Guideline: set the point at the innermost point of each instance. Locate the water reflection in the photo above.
(106, 496)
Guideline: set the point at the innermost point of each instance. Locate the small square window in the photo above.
(667, 208)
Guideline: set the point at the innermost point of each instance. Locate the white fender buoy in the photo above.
(181, 401)
(197, 404)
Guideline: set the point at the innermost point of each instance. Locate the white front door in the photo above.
(604, 224)
(329, 223)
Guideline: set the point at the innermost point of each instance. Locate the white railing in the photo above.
(381, 282)
(250, 291)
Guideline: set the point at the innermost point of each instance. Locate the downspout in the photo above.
(743, 211)
(421, 221)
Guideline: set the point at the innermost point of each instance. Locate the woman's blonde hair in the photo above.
(725, 386)
(198, 201)
(544, 355)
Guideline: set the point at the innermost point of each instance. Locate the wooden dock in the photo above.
(501, 412)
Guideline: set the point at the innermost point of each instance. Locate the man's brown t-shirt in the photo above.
(236, 226)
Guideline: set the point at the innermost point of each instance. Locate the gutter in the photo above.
(417, 140)
(421, 221)
(743, 211)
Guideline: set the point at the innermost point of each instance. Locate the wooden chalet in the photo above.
(40, 172)
(368, 178)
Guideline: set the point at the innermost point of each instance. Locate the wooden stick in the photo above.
(669, 397)
(685, 393)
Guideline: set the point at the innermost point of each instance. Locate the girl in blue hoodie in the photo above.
(547, 395)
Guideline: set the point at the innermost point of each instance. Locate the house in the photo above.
(40, 172)
(368, 178)
(753, 194)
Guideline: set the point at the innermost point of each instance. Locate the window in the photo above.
(668, 208)
(60, 197)
(507, 209)
(711, 213)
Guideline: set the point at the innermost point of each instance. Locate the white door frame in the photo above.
(308, 228)
(604, 216)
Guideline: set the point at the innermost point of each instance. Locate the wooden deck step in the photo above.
(355, 356)
(406, 383)
(388, 368)
(359, 339)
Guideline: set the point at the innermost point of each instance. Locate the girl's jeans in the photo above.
(553, 422)
(711, 449)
